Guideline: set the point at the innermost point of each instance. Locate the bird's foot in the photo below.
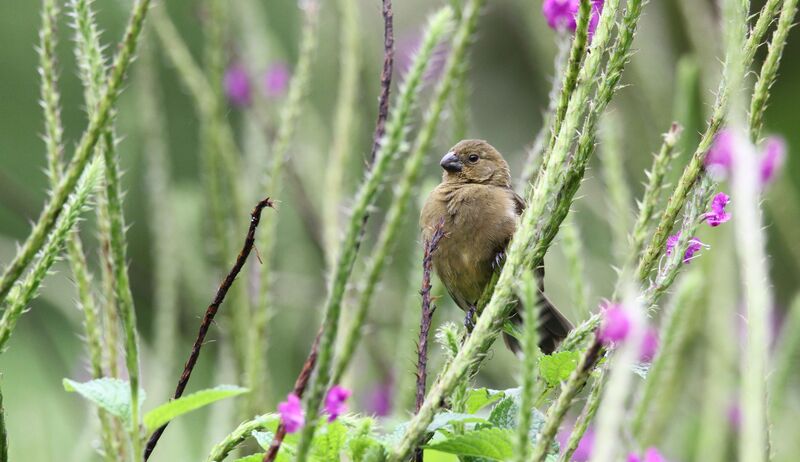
(469, 324)
(499, 259)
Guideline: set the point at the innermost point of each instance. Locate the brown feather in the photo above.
(481, 213)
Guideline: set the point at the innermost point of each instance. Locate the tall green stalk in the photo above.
(273, 180)
(344, 125)
(529, 295)
(438, 25)
(93, 74)
(769, 69)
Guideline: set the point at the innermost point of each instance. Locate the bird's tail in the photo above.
(553, 327)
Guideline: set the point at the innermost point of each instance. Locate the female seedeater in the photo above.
(481, 213)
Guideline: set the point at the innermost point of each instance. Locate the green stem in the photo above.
(572, 246)
(529, 295)
(298, 92)
(588, 413)
(344, 123)
(438, 26)
(769, 69)
(241, 433)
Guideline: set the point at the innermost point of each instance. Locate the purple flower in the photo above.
(561, 14)
(772, 158)
(695, 245)
(650, 455)
(719, 158)
(334, 402)
(650, 344)
(292, 415)
(718, 215)
(615, 325)
(237, 85)
(276, 79)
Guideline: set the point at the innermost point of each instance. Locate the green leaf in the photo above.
(479, 398)
(168, 411)
(557, 367)
(264, 439)
(489, 443)
(113, 395)
(440, 422)
(329, 442)
(504, 415)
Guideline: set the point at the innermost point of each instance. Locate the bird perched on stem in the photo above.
(481, 213)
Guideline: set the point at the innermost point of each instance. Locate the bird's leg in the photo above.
(469, 324)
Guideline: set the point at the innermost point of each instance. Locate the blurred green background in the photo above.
(510, 76)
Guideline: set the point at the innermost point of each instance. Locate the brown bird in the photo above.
(481, 212)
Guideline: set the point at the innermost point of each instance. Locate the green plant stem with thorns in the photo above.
(97, 124)
(438, 26)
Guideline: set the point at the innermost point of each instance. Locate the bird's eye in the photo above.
(473, 158)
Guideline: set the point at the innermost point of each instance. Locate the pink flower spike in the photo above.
(334, 402)
(719, 158)
(292, 415)
(615, 325)
(772, 158)
(672, 241)
(650, 344)
(594, 20)
(633, 457)
(718, 215)
(237, 85)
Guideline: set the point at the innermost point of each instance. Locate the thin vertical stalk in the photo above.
(350, 245)
(588, 413)
(91, 62)
(344, 122)
(255, 368)
(572, 246)
(611, 413)
(620, 196)
(437, 27)
(529, 296)
(426, 319)
(750, 243)
(769, 69)
(51, 104)
(162, 221)
(3, 432)
(572, 71)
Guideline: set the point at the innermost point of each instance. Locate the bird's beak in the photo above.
(451, 163)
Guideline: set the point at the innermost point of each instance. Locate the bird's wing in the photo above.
(519, 202)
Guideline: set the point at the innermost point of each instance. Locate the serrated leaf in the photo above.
(504, 414)
(479, 398)
(489, 443)
(168, 411)
(113, 395)
(557, 367)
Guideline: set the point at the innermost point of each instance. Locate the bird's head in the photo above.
(475, 161)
